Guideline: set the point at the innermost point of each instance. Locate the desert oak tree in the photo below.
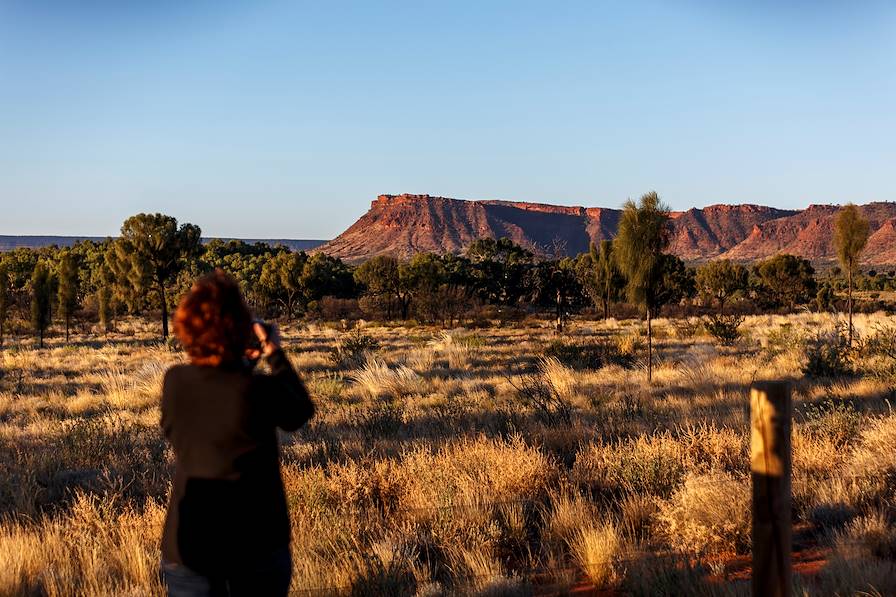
(67, 291)
(722, 280)
(157, 250)
(850, 236)
(604, 271)
(4, 299)
(41, 300)
(638, 248)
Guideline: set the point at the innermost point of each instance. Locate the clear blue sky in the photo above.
(285, 119)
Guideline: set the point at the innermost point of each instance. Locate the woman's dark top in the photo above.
(228, 507)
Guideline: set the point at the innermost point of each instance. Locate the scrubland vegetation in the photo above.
(465, 444)
(506, 459)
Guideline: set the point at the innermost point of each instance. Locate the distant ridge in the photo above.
(10, 242)
(403, 225)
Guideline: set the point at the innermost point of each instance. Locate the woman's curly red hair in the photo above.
(213, 322)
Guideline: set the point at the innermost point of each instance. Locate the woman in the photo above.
(227, 527)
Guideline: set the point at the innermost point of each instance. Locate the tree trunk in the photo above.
(849, 301)
(164, 311)
(40, 338)
(405, 307)
(67, 325)
(649, 348)
(607, 304)
(559, 311)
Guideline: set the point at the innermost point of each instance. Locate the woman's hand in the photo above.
(269, 336)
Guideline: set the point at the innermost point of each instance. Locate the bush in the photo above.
(651, 575)
(378, 419)
(710, 514)
(825, 299)
(509, 316)
(687, 327)
(593, 355)
(352, 349)
(873, 533)
(828, 354)
(862, 559)
(386, 571)
(331, 308)
(872, 463)
(649, 465)
(724, 328)
(851, 573)
(878, 350)
(548, 391)
(457, 349)
(837, 421)
(784, 339)
(881, 342)
(577, 356)
(329, 386)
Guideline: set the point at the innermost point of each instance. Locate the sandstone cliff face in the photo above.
(700, 234)
(402, 225)
(407, 224)
(808, 233)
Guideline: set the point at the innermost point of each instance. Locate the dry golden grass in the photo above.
(425, 473)
(598, 551)
(709, 515)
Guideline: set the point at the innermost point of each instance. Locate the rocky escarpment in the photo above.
(810, 234)
(403, 225)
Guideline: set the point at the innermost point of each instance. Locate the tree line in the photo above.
(154, 260)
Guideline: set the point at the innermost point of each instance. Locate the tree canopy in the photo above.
(68, 288)
(42, 286)
(784, 281)
(850, 238)
(722, 280)
(155, 250)
(642, 237)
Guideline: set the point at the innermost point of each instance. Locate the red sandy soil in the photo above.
(809, 558)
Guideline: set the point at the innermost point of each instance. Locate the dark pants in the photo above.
(265, 578)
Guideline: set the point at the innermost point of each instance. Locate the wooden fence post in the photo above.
(770, 420)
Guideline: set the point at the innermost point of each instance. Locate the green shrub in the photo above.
(587, 355)
(828, 354)
(881, 342)
(878, 351)
(687, 328)
(836, 420)
(784, 339)
(724, 328)
(352, 349)
(377, 419)
(649, 465)
(329, 386)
